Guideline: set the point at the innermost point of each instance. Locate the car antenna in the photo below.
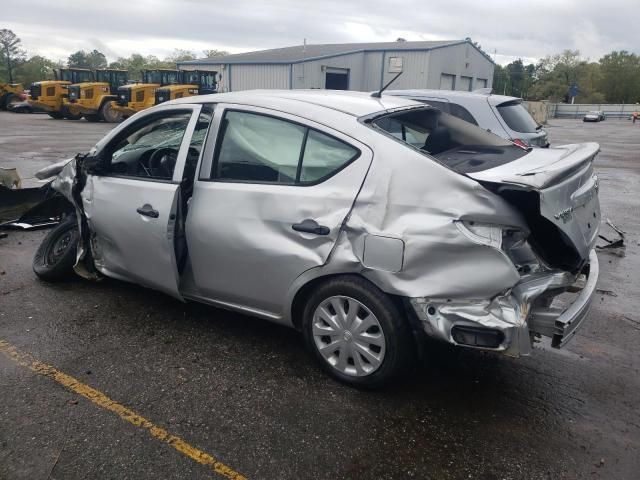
(378, 94)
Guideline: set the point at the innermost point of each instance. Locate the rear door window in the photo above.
(517, 117)
(324, 155)
(261, 148)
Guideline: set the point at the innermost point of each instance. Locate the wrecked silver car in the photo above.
(366, 223)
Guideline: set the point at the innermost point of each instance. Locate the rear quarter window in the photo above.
(517, 118)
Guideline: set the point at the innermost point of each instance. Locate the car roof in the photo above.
(352, 103)
(451, 94)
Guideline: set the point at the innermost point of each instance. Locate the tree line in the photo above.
(17, 67)
(615, 78)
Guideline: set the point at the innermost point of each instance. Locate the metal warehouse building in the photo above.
(451, 65)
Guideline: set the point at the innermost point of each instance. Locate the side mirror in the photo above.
(95, 164)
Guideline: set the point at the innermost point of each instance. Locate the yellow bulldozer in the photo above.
(49, 95)
(93, 100)
(10, 93)
(135, 97)
(191, 82)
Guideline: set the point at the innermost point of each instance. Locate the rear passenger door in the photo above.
(272, 194)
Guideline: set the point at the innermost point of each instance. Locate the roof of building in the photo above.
(301, 53)
(300, 101)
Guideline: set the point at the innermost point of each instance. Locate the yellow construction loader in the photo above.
(10, 93)
(192, 82)
(135, 97)
(49, 95)
(93, 99)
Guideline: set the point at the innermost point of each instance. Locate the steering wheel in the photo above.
(163, 161)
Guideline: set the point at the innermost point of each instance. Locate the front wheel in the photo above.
(92, 118)
(109, 115)
(356, 333)
(69, 115)
(56, 256)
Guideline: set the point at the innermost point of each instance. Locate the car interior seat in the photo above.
(438, 140)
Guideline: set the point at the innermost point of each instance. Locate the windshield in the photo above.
(517, 117)
(163, 78)
(83, 76)
(455, 143)
(190, 78)
(208, 80)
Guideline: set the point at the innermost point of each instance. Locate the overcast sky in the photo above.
(514, 28)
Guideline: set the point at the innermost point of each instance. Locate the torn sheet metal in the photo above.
(26, 208)
(615, 247)
(69, 182)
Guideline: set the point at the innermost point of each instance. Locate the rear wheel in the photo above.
(56, 115)
(69, 115)
(92, 118)
(109, 115)
(356, 332)
(56, 256)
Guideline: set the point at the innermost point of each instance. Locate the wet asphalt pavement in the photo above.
(246, 392)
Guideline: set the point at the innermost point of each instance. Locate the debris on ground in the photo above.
(10, 178)
(606, 292)
(615, 247)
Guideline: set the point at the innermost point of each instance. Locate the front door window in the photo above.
(150, 150)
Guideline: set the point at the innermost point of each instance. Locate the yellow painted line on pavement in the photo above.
(101, 400)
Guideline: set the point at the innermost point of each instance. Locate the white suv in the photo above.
(502, 115)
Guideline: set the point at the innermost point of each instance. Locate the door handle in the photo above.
(148, 211)
(311, 226)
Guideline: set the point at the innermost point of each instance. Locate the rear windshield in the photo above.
(517, 117)
(455, 143)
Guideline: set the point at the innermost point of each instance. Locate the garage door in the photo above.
(337, 79)
(481, 83)
(447, 82)
(465, 84)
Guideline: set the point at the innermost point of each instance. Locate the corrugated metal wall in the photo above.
(415, 70)
(311, 74)
(462, 61)
(367, 70)
(248, 77)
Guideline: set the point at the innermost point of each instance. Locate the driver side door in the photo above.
(133, 208)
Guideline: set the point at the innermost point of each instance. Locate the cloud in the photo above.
(509, 28)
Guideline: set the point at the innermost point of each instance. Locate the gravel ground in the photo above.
(246, 392)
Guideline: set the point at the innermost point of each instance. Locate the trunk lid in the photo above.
(566, 187)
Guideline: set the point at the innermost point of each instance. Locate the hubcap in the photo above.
(59, 247)
(348, 336)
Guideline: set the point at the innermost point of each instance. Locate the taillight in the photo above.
(521, 143)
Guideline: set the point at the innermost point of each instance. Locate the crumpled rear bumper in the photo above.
(508, 323)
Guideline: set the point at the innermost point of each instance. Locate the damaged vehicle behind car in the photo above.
(366, 223)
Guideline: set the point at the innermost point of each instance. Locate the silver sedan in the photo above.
(370, 224)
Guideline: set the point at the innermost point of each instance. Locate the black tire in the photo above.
(108, 114)
(56, 255)
(68, 115)
(92, 118)
(399, 345)
(56, 115)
